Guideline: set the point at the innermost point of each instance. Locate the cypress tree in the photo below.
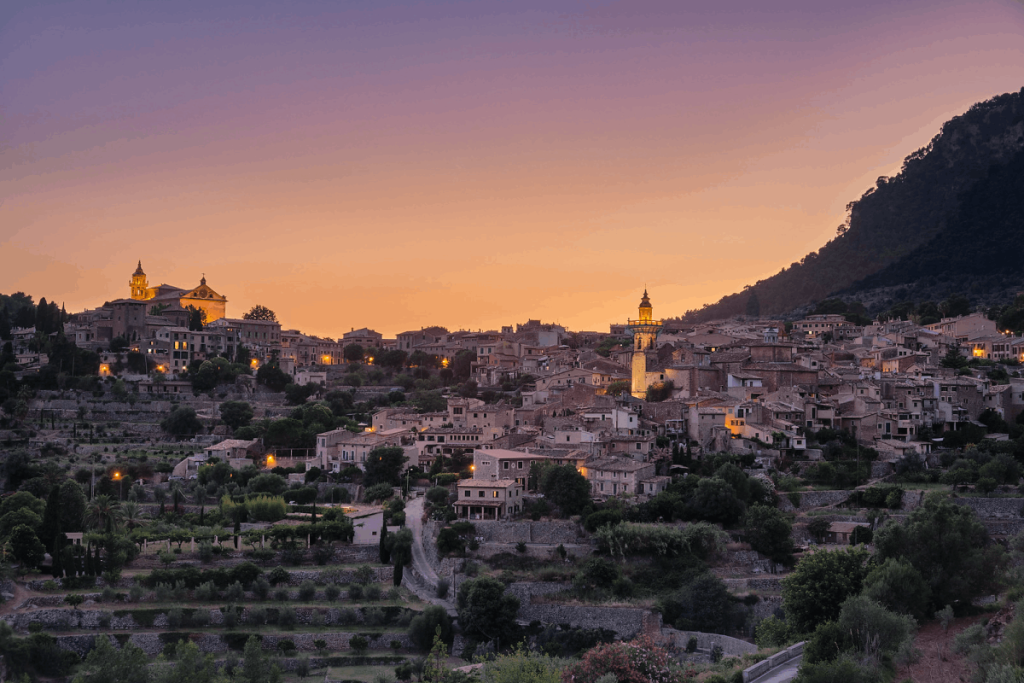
(56, 565)
(90, 569)
(385, 553)
(397, 577)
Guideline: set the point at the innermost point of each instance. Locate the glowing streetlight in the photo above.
(120, 484)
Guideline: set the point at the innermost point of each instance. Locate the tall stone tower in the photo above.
(139, 284)
(645, 332)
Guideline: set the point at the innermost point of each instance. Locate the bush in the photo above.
(281, 595)
(279, 575)
(331, 592)
(257, 616)
(378, 492)
(358, 643)
(355, 592)
(307, 591)
(135, 593)
(261, 588)
(286, 646)
(286, 618)
(175, 618)
(372, 592)
(425, 624)
(443, 585)
(200, 617)
(772, 632)
(374, 616)
(700, 539)
(206, 592)
(234, 592)
(347, 616)
(230, 617)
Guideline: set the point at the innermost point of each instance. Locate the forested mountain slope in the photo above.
(900, 215)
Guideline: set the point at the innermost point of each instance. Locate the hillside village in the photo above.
(333, 502)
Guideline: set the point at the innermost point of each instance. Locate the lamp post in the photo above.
(120, 484)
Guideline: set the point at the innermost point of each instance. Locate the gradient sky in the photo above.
(471, 164)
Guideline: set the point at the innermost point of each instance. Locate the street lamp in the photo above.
(120, 484)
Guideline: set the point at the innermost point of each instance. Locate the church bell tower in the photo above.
(645, 331)
(139, 285)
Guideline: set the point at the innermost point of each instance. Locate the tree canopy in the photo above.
(258, 312)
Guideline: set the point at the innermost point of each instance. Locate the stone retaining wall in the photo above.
(626, 622)
(212, 643)
(775, 661)
(993, 508)
(706, 641)
(66, 619)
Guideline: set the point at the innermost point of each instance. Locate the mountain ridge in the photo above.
(893, 219)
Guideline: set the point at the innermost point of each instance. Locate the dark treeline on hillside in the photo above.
(900, 214)
(979, 251)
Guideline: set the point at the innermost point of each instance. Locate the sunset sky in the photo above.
(471, 164)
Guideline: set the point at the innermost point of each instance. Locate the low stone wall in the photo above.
(707, 641)
(67, 619)
(626, 622)
(817, 499)
(773, 662)
(550, 532)
(993, 508)
(152, 643)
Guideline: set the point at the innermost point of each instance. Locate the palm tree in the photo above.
(131, 515)
(103, 514)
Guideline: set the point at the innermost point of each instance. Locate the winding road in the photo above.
(783, 674)
(425, 583)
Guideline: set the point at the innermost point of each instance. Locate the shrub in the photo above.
(772, 632)
(108, 594)
(374, 616)
(372, 592)
(234, 592)
(230, 617)
(266, 508)
(163, 592)
(257, 616)
(378, 492)
(443, 585)
(201, 617)
(358, 643)
(424, 625)
(286, 618)
(103, 619)
(331, 592)
(307, 591)
(521, 547)
(279, 575)
(348, 616)
(135, 593)
(261, 588)
(355, 591)
(627, 538)
(363, 574)
(286, 646)
(206, 592)
(302, 667)
(281, 595)
(175, 617)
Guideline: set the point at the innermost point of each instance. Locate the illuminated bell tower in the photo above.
(645, 333)
(139, 284)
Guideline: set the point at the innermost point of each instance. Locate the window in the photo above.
(495, 494)
(481, 494)
(467, 495)
(504, 465)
